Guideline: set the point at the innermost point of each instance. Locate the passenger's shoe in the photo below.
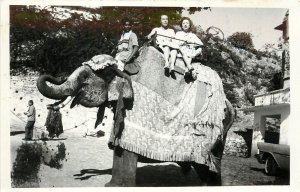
(167, 71)
(172, 73)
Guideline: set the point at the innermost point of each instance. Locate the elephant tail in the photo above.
(230, 114)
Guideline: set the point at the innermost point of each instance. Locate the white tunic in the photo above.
(188, 42)
(162, 40)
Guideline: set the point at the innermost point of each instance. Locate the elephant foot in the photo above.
(124, 169)
(123, 184)
(207, 177)
(186, 167)
(111, 184)
(121, 180)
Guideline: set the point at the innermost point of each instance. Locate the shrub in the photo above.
(241, 40)
(27, 165)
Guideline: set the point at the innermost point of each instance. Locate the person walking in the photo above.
(30, 121)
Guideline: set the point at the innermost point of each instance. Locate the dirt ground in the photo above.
(88, 163)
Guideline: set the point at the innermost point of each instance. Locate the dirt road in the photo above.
(88, 163)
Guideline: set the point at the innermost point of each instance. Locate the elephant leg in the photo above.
(207, 177)
(124, 168)
(185, 167)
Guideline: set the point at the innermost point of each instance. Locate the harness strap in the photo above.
(178, 39)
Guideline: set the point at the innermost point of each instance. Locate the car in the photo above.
(275, 157)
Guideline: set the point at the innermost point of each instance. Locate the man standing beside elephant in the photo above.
(30, 121)
(127, 45)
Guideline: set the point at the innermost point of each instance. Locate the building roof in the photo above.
(270, 100)
(282, 26)
(258, 108)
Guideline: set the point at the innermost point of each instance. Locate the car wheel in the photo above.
(271, 166)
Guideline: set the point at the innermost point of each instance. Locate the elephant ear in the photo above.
(77, 98)
(79, 95)
(117, 86)
(100, 114)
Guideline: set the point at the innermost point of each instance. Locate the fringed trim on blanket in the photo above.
(210, 160)
(154, 154)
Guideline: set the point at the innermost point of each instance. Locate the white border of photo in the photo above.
(293, 6)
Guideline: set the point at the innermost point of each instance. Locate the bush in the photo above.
(241, 40)
(29, 158)
(27, 165)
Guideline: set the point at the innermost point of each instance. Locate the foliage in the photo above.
(241, 40)
(245, 73)
(41, 41)
(29, 158)
(38, 40)
(55, 161)
(276, 82)
(228, 67)
(27, 164)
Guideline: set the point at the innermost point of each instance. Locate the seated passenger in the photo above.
(164, 39)
(127, 45)
(189, 45)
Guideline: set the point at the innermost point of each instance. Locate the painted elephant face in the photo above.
(88, 87)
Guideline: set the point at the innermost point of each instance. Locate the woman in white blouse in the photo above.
(164, 39)
(189, 44)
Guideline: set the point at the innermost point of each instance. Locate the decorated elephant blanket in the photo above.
(172, 120)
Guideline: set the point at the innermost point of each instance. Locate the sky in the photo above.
(260, 22)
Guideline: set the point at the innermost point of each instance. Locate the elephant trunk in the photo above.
(52, 92)
(60, 89)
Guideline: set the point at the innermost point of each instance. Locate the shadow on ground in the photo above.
(277, 181)
(165, 176)
(282, 178)
(150, 176)
(13, 133)
(88, 173)
(245, 172)
(257, 169)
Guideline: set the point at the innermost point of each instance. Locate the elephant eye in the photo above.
(85, 76)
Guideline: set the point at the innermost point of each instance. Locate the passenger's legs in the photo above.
(166, 51)
(187, 60)
(173, 55)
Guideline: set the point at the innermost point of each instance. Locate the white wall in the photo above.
(284, 126)
(260, 121)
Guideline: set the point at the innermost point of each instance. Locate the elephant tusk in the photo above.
(69, 98)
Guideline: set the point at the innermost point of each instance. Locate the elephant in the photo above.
(158, 118)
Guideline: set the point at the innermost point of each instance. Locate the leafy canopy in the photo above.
(40, 40)
(241, 40)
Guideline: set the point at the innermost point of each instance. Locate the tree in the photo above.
(40, 40)
(241, 40)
